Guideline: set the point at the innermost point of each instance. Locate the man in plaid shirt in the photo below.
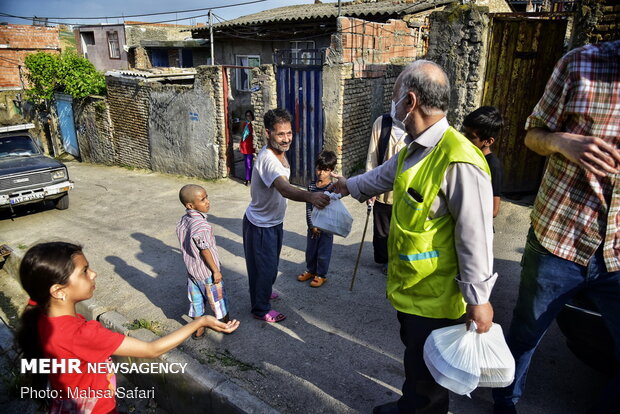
(574, 242)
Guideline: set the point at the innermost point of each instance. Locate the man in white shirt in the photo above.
(440, 247)
(262, 222)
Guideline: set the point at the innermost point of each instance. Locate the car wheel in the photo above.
(63, 202)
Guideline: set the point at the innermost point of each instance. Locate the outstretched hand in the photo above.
(340, 185)
(592, 153)
(319, 200)
(482, 315)
(218, 326)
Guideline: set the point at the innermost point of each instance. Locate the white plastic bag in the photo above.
(451, 357)
(497, 365)
(335, 218)
(461, 360)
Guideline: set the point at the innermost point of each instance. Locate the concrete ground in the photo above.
(337, 351)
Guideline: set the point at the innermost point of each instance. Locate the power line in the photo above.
(135, 15)
(142, 23)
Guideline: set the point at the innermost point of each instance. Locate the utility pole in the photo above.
(339, 11)
(211, 35)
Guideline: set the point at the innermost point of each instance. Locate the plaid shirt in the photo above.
(195, 234)
(575, 211)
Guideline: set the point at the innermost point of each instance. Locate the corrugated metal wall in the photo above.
(300, 91)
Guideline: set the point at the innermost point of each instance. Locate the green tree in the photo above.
(78, 76)
(67, 73)
(42, 75)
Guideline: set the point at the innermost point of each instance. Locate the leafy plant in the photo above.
(66, 73)
(42, 75)
(152, 326)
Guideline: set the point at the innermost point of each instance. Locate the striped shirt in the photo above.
(575, 211)
(195, 234)
(312, 188)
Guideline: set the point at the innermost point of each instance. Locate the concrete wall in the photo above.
(137, 32)
(18, 41)
(172, 128)
(183, 132)
(458, 39)
(98, 54)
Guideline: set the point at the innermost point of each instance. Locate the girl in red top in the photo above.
(246, 146)
(57, 276)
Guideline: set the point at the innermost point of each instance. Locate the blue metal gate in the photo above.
(300, 91)
(64, 107)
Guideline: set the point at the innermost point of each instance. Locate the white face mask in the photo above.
(395, 121)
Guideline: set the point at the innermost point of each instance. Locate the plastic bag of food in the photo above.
(335, 218)
(452, 359)
(462, 360)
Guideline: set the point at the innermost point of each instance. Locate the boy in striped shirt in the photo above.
(200, 255)
(319, 243)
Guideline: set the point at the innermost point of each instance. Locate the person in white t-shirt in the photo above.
(262, 222)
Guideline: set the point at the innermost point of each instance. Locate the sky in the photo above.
(99, 8)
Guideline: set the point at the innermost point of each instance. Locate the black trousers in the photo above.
(421, 394)
(381, 215)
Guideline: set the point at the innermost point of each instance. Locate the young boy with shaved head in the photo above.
(200, 255)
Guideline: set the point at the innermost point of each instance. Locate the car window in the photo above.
(17, 146)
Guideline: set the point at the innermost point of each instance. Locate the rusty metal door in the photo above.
(522, 54)
(300, 91)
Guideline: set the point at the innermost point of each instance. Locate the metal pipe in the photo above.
(211, 35)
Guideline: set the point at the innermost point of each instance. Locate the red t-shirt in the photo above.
(73, 337)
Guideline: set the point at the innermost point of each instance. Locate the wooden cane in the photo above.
(359, 253)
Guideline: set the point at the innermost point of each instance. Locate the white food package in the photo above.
(335, 218)
(462, 360)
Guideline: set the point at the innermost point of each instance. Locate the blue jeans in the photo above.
(262, 246)
(319, 252)
(547, 283)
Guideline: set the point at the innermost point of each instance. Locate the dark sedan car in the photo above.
(28, 176)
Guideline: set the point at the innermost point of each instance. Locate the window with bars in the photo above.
(244, 76)
(300, 53)
(114, 47)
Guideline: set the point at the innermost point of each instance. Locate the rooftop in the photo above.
(378, 11)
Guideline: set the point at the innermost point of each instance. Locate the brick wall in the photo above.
(365, 99)
(264, 99)
(370, 46)
(17, 42)
(167, 127)
(93, 125)
(129, 112)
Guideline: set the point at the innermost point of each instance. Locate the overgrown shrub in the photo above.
(66, 73)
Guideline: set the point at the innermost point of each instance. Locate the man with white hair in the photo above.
(440, 248)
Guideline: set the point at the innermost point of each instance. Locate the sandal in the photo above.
(273, 296)
(271, 317)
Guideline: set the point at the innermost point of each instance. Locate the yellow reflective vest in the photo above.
(423, 263)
